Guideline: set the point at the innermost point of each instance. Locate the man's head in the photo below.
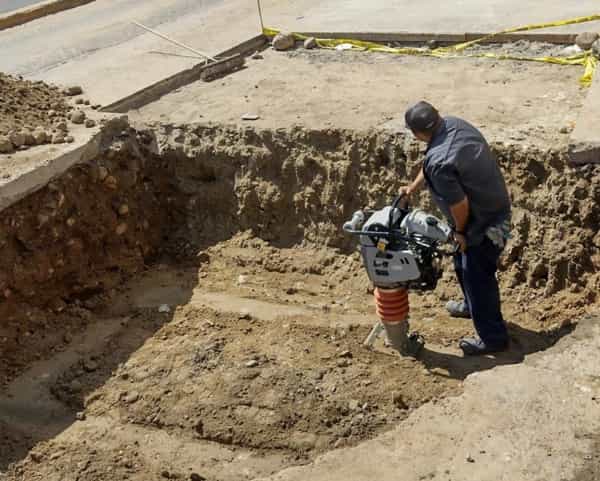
(422, 119)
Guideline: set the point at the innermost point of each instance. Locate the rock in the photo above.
(68, 338)
(29, 138)
(111, 182)
(353, 404)
(62, 126)
(17, 139)
(6, 146)
(398, 401)
(197, 477)
(585, 40)
(123, 209)
(79, 101)
(90, 365)
(284, 41)
(69, 139)
(242, 279)
(346, 354)
(164, 308)
(570, 51)
(89, 123)
(310, 43)
(58, 138)
(86, 102)
(343, 362)
(77, 117)
(75, 386)
(257, 56)
(80, 416)
(121, 228)
(73, 90)
(132, 397)
(433, 44)
(250, 117)
(102, 173)
(596, 48)
(565, 130)
(41, 137)
(470, 459)
(251, 363)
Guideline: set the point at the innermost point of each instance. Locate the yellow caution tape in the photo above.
(585, 59)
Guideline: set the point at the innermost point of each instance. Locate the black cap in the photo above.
(421, 117)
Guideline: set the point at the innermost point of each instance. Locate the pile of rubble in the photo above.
(35, 113)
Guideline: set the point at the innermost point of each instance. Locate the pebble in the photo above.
(596, 48)
(90, 365)
(121, 228)
(470, 459)
(29, 138)
(132, 397)
(111, 182)
(310, 43)
(69, 139)
(251, 363)
(353, 404)
(250, 117)
(124, 209)
(197, 477)
(346, 354)
(344, 362)
(257, 56)
(79, 101)
(17, 139)
(73, 90)
(565, 130)
(62, 126)
(164, 308)
(102, 173)
(58, 138)
(89, 123)
(585, 40)
(80, 416)
(284, 41)
(40, 137)
(6, 146)
(77, 117)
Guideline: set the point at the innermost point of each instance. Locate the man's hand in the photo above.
(405, 193)
(461, 240)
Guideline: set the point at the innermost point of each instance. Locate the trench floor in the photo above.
(234, 366)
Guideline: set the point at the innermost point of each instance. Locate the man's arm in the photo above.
(412, 188)
(460, 214)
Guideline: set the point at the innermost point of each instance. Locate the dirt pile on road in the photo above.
(32, 113)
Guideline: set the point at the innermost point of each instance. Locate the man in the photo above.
(466, 183)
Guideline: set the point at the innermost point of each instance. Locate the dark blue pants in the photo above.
(476, 272)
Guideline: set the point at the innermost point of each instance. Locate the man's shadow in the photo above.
(522, 343)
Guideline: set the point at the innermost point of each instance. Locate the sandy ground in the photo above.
(251, 370)
(321, 89)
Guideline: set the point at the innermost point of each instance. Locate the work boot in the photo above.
(458, 309)
(473, 346)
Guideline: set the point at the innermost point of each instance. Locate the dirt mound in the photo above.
(32, 113)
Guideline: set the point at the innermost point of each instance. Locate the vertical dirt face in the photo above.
(81, 235)
(266, 204)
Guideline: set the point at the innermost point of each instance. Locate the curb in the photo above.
(39, 10)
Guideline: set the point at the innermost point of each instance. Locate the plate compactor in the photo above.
(400, 248)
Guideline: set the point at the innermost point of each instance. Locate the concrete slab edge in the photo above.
(157, 90)
(584, 144)
(39, 10)
(37, 178)
(446, 38)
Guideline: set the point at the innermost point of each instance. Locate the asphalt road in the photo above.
(8, 5)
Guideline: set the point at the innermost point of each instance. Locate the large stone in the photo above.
(78, 117)
(585, 40)
(29, 138)
(40, 136)
(6, 146)
(310, 43)
(73, 90)
(17, 139)
(596, 48)
(284, 41)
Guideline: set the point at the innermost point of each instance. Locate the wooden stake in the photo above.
(168, 39)
(260, 15)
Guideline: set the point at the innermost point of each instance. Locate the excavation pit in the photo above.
(185, 302)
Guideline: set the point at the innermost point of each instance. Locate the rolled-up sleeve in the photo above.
(447, 185)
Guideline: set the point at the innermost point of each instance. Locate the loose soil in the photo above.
(228, 309)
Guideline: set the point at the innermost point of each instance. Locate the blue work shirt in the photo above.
(459, 163)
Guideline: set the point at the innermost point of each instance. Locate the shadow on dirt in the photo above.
(523, 342)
